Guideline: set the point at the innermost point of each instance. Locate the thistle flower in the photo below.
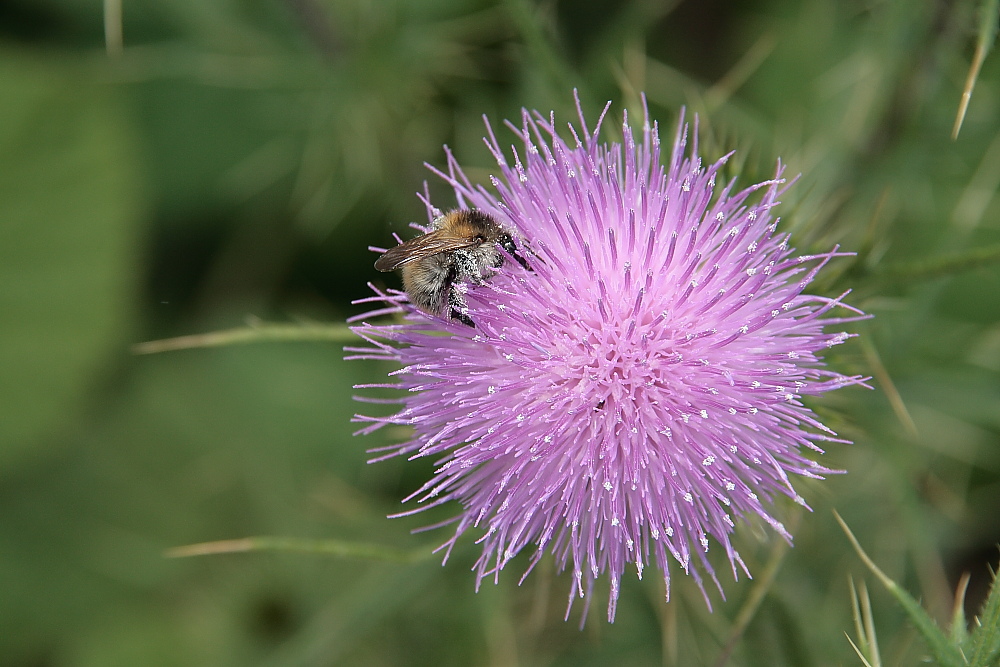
(635, 391)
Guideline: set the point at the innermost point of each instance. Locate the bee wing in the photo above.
(422, 246)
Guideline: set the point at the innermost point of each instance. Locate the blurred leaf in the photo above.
(197, 445)
(133, 637)
(205, 143)
(935, 267)
(68, 207)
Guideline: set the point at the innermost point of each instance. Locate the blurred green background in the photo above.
(236, 157)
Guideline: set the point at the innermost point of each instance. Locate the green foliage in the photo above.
(983, 645)
(235, 159)
(70, 207)
(944, 651)
(957, 648)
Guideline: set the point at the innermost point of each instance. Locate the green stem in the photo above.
(113, 27)
(340, 548)
(257, 333)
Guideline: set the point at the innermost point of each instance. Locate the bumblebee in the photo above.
(463, 246)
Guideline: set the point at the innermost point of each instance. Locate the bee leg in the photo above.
(521, 260)
(464, 319)
(456, 304)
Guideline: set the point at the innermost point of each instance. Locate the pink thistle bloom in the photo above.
(635, 391)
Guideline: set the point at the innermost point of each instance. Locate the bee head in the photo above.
(507, 243)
